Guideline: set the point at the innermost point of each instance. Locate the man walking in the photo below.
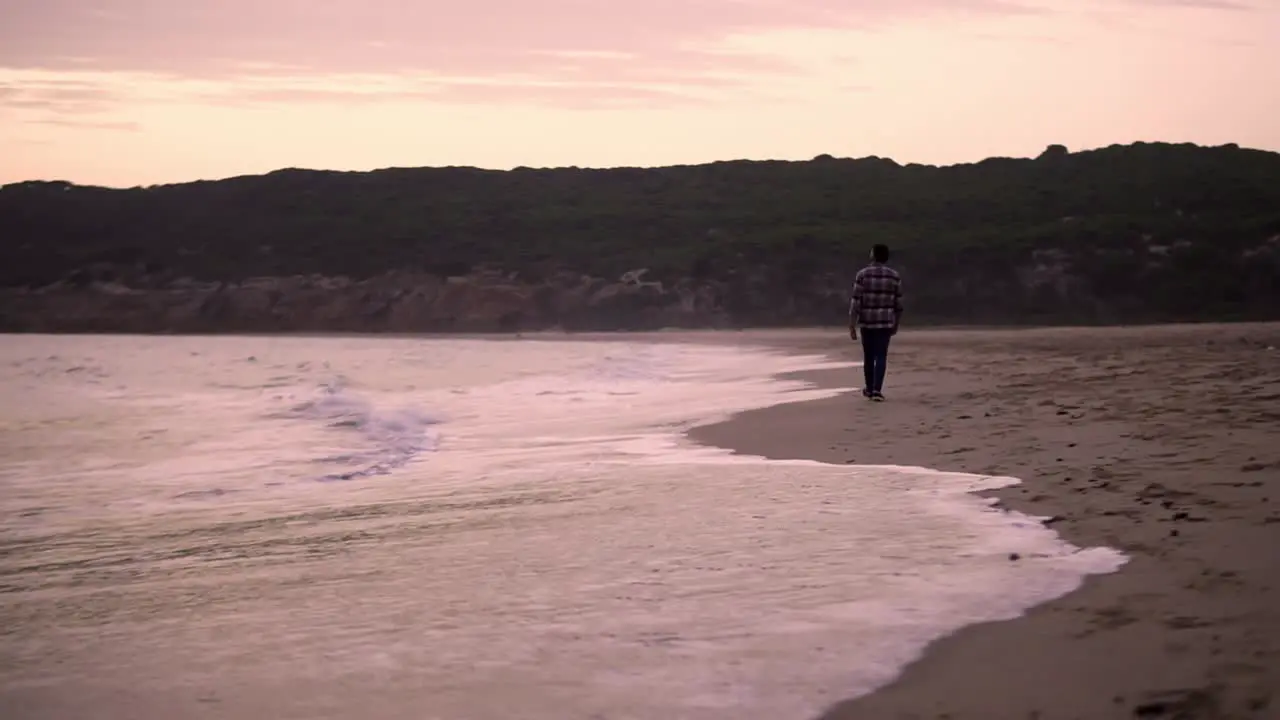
(876, 309)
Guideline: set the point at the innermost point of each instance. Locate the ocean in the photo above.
(464, 529)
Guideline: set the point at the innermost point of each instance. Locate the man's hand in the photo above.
(853, 333)
(894, 331)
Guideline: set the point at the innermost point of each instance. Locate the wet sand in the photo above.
(1163, 442)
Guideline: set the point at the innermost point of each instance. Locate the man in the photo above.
(876, 309)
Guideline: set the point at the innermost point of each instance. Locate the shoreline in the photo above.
(673, 332)
(1157, 441)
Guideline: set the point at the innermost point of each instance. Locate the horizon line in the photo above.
(822, 157)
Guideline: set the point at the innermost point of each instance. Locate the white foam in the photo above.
(392, 436)
(553, 543)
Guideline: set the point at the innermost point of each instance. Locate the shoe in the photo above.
(866, 393)
(877, 396)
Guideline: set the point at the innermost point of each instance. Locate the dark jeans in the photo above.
(875, 354)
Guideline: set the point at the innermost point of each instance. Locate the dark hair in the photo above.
(880, 252)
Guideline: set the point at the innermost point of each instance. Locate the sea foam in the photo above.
(524, 525)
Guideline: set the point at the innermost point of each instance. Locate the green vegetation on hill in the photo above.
(1126, 233)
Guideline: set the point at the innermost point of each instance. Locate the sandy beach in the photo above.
(160, 561)
(1163, 442)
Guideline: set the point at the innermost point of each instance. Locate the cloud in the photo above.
(97, 99)
(55, 101)
(1139, 16)
(63, 96)
(572, 95)
(63, 101)
(119, 125)
(1232, 5)
(602, 39)
(566, 53)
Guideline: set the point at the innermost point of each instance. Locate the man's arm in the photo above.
(897, 305)
(855, 306)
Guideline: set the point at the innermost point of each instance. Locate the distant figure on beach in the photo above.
(876, 309)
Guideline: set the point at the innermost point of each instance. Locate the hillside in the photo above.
(1127, 233)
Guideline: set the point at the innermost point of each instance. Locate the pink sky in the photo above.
(127, 92)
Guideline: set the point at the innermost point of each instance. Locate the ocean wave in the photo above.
(389, 437)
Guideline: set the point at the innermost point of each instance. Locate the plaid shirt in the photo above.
(877, 297)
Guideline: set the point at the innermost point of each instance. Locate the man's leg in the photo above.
(880, 350)
(868, 361)
(882, 361)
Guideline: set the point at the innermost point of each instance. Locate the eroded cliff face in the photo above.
(1144, 283)
(1046, 288)
(395, 302)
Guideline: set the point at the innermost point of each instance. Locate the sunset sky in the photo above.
(130, 92)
